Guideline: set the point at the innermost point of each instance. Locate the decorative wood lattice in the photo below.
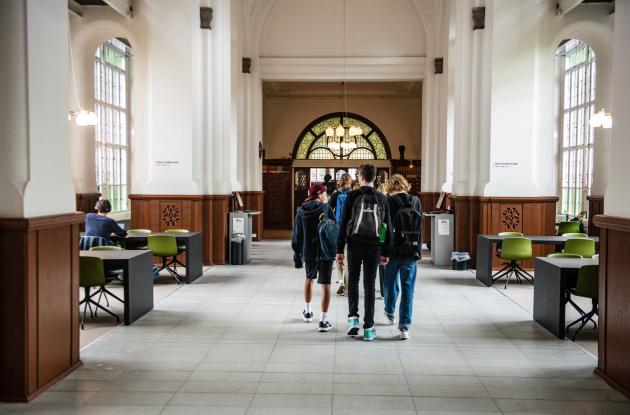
(511, 218)
(170, 215)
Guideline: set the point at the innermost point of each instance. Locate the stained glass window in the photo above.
(111, 64)
(577, 105)
(313, 144)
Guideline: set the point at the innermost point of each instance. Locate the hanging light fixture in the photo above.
(83, 117)
(601, 119)
(342, 139)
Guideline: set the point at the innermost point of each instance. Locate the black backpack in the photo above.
(327, 231)
(367, 219)
(408, 226)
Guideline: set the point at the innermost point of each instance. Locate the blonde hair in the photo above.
(383, 188)
(398, 183)
(345, 181)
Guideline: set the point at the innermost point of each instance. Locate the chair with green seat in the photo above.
(110, 275)
(564, 255)
(141, 231)
(587, 286)
(581, 246)
(515, 249)
(165, 246)
(575, 235)
(180, 247)
(92, 275)
(505, 235)
(568, 227)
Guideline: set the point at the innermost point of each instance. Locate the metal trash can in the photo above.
(460, 260)
(237, 249)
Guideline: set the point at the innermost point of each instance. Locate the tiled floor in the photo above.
(234, 343)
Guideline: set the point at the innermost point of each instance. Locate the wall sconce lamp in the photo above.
(83, 117)
(601, 119)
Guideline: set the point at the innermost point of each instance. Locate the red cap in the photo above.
(315, 190)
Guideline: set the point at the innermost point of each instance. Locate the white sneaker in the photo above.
(404, 334)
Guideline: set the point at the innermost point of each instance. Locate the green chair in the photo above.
(165, 246)
(587, 286)
(505, 235)
(92, 275)
(110, 275)
(515, 249)
(580, 246)
(180, 247)
(575, 235)
(568, 227)
(564, 255)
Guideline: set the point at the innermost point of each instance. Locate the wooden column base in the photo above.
(614, 301)
(198, 213)
(595, 207)
(255, 201)
(490, 215)
(39, 303)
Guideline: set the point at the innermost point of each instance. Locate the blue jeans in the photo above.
(405, 270)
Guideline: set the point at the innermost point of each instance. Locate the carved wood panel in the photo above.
(511, 218)
(277, 187)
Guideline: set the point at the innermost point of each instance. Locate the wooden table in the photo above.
(137, 279)
(193, 241)
(553, 277)
(485, 252)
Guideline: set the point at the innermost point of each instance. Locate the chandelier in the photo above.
(342, 139)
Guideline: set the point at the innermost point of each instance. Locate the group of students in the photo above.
(360, 230)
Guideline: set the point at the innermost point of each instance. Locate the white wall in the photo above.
(34, 163)
(617, 199)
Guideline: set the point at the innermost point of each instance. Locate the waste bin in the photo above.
(237, 249)
(442, 230)
(460, 260)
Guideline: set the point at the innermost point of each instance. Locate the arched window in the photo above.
(313, 143)
(111, 97)
(576, 63)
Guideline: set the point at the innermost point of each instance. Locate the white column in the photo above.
(34, 161)
(617, 198)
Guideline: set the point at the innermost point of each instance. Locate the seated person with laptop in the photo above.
(98, 224)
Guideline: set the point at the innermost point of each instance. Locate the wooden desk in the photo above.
(553, 277)
(137, 281)
(194, 249)
(485, 252)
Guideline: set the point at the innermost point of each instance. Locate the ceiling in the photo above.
(412, 89)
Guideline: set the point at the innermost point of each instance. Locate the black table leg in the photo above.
(549, 304)
(484, 260)
(138, 287)
(194, 257)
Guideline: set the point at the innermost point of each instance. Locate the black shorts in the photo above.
(323, 268)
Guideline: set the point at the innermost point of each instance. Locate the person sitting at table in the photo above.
(98, 224)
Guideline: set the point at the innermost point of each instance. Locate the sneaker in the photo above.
(404, 334)
(390, 319)
(353, 326)
(341, 290)
(308, 317)
(324, 326)
(369, 334)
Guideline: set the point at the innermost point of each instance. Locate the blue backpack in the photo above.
(341, 201)
(327, 231)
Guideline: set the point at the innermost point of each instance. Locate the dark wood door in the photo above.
(277, 187)
(301, 182)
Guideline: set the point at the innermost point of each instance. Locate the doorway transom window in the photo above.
(313, 143)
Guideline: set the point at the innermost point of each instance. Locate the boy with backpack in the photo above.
(366, 227)
(337, 202)
(406, 211)
(314, 243)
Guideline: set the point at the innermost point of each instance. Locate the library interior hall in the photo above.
(314, 207)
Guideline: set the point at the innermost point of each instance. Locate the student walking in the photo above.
(382, 188)
(312, 224)
(364, 222)
(406, 211)
(337, 202)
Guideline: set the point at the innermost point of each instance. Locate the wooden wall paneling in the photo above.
(41, 344)
(595, 207)
(255, 200)
(614, 302)
(207, 230)
(220, 209)
(85, 203)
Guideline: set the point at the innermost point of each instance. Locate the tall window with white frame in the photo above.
(111, 94)
(576, 62)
